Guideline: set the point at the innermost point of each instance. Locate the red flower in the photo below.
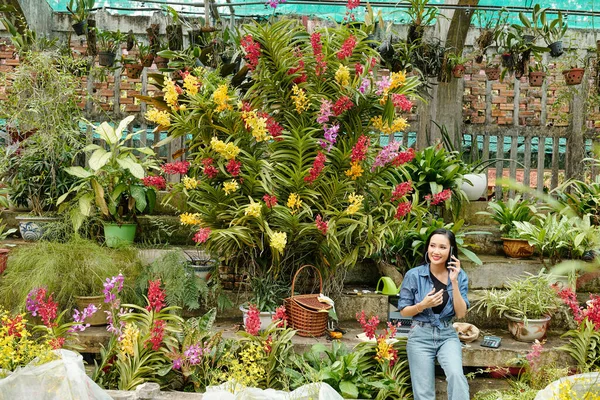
(369, 327)
(403, 209)
(321, 225)
(359, 151)
(404, 157)
(281, 316)
(57, 343)
(344, 103)
(157, 334)
(252, 50)
(401, 190)
(400, 101)
(347, 48)
(156, 296)
(211, 171)
(273, 127)
(352, 4)
(299, 68)
(233, 167)
(440, 197)
(202, 235)
(359, 69)
(252, 324)
(321, 65)
(270, 200)
(179, 167)
(316, 169)
(12, 325)
(157, 182)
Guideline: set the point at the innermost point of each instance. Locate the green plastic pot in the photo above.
(119, 235)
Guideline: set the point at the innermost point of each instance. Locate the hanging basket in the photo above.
(573, 76)
(306, 313)
(492, 73)
(536, 78)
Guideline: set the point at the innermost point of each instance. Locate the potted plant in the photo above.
(85, 265)
(553, 32)
(174, 29)
(145, 55)
(489, 22)
(108, 43)
(457, 63)
(506, 213)
(113, 184)
(537, 73)
(42, 135)
(80, 11)
(573, 74)
(4, 252)
(160, 61)
(528, 303)
(267, 295)
(492, 71)
(133, 68)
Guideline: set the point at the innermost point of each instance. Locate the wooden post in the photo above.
(576, 141)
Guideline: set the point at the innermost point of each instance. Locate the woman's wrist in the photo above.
(419, 309)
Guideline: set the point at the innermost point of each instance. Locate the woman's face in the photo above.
(439, 249)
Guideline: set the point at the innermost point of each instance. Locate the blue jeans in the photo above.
(425, 343)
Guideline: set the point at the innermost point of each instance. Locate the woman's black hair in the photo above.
(450, 235)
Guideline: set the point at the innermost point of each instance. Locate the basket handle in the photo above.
(296, 275)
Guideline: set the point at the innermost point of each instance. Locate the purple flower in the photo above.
(177, 363)
(32, 304)
(386, 155)
(330, 135)
(109, 285)
(193, 354)
(80, 317)
(383, 84)
(274, 3)
(325, 112)
(364, 85)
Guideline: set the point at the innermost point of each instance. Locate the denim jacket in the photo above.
(417, 284)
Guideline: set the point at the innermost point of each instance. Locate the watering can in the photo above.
(389, 287)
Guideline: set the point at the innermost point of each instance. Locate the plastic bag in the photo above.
(312, 391)
(573, 387)
(62, 379)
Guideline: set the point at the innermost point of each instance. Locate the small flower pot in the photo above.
(99, 317)
(536, 78)
(493, 73)
(117, 235)
(133, 71)
(573, 76)
(458, 71)
(517, 248)
(507, 60)
(147, 61)
(32, 228)
(265, 317)
(106, 58)
(479, 59)
(3, 259)
(161, 62)
(80, 28)
(556, 49)
(527, 332)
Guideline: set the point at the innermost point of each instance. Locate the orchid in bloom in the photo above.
(252, 323)
(274, 3)
(369, 327)
(157, 182)
(386, 155)
(202, 235)
(37, 303)
(110, 296)
(280, 317)
(179, 167)
(270, 200)
(156, 296)
(321, 224)
(80, 317)
(440, 197)
(403, 208)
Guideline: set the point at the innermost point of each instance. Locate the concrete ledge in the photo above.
(497, 270)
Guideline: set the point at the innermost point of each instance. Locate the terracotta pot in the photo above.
(161, 63)
(133, 71)
(147, 61)
(3, 259)
(536, 78)
(527, 332)
(458, 71)
(493, 74)
(573, 76)
(99, 317)
(517, 248)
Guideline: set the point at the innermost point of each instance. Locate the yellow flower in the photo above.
(253, 210)
(229, 151)
(162, 118)
(342, 75)
(398, 125)
(130, 336)
(190, 219)
(300, 99)
(383, 350)
(278, 241)
(258, 125)
(170, 91)
(190, 183)
(221, 99)
(230, 187)
(355, 203)
(397, 79)
(191, 84)
(355, 170)
(294, 203)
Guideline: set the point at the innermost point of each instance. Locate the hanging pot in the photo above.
(556, 49)
(458, 71)
(106, 58)
(536, 78)
(573, 76)
(147, 61)
(475, 186)
(479, 59)
(507, 60)
(175, 37)
(80, 28)
(196, 37)
(161, 62)
(492, 73)
(133, 71)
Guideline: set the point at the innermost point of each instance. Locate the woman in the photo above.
(432, 294)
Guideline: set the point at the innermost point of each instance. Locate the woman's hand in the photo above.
(433, 299)
(454, 269)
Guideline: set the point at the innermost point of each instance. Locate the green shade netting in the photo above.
(579, 13)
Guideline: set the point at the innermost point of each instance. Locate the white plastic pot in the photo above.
(474, 186)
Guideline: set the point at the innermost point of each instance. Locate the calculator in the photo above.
(491, 341)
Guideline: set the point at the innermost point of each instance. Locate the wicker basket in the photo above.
(306, 314)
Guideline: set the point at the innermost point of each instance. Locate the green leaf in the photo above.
(78, 172)
(349, 390)
(99, 159)
(85, 204)
(107, 133)
(136, 169)
(139, 194)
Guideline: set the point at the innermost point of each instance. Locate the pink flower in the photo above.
(274, 3)
(157, 182)
(202, 235)
(46, 308)
(281, 316)
(352, 4)
(386, 155)
(253, 320)
(441, 197)
(325, 112)
(400, 101)
(403, 208)
(369, 327)
(404, 157)
(270, 200)
(156, 296)
(401, 190)
(179, 167)
(322, 225)
(359, 69)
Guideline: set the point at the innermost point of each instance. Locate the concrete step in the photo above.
(497, 270)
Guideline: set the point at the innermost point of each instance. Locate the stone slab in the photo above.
(497, 270)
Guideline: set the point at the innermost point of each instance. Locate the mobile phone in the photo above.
(450, 256)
